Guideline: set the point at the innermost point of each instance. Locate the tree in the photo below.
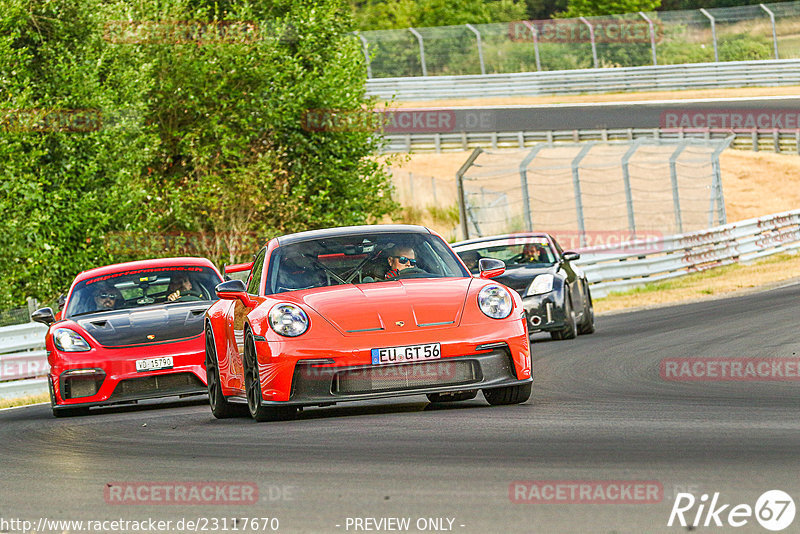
(397, 14)
(236, 164)
(68, 158)
(594, 8)
(207, 137)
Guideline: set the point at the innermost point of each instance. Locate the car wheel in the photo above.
(587, 323)
(252, 386)
(70, 412)
(220, 406)
(570, 330)
(508, 394)
(455, 396)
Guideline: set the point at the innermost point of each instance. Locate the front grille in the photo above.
(177, 384)
(78, 386)
(405, 376)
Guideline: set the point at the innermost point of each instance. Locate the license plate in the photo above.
(407, 353)
(154, 364)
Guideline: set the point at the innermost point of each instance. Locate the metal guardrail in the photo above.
(23, 360)
(780, 141)
(23, 388)
(678, 255)
(622, 79)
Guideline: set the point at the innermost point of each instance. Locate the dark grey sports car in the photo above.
(555, 292)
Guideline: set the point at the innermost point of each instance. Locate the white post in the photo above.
(421, 51)
(713, 32)
(591, 36)
(480, 46)
(774, 33)
(652, 36)
(366, 53)
(535, 33)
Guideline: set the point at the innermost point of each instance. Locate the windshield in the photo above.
(534, 251)
(361, 259)
(142, 287)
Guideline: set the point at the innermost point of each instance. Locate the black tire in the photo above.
(452, 397)
(252, 386)
(220, 406)
(70, 412)
(508, 394)
(570, 330)
(587, 322)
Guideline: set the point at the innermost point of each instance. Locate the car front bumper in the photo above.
(477, 356)
(314, 384)
(544, 312)
(115, 378)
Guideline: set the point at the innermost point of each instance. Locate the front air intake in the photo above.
(405, 376)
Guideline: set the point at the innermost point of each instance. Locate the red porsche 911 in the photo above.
(129, 332)
(365, 312)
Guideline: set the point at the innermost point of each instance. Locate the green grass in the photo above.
(24, 401)
(690, 280)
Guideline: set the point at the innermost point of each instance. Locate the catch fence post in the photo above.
(480, 46)
(713, 32)
(421, 50)
(591, 36)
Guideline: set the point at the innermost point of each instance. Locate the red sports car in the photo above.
(129, 331)
(363, 312)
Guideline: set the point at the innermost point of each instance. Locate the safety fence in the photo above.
(23, 360)
(664, 186)
(754, 32)
(765, 73)
(769, 140)
(609, 268)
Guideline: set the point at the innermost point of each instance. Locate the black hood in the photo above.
(166, 322)
(519, 277)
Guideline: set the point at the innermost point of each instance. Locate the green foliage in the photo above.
(397, 14)
(449, 216)
(744, 47)
(212, 143)
(62, 190)
(594, 8)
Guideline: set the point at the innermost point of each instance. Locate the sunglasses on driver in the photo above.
(404, 260)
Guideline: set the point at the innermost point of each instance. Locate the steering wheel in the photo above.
(187, 296)
(412, 272)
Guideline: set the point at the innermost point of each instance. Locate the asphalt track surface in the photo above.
(600, 411)
(612, 115)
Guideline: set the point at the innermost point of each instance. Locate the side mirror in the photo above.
(571, 256)
(234, 290)
(44, 316)
(491, 267)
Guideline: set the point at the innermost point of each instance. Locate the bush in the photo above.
(213, 143)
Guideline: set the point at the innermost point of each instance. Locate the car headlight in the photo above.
(495, 301)
(67, 340)
(288, 320)
(541, 284)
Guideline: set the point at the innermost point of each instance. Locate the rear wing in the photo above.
(242, 268)
(238, 267)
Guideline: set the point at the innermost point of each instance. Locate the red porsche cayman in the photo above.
(129, 331)
(363, 312)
